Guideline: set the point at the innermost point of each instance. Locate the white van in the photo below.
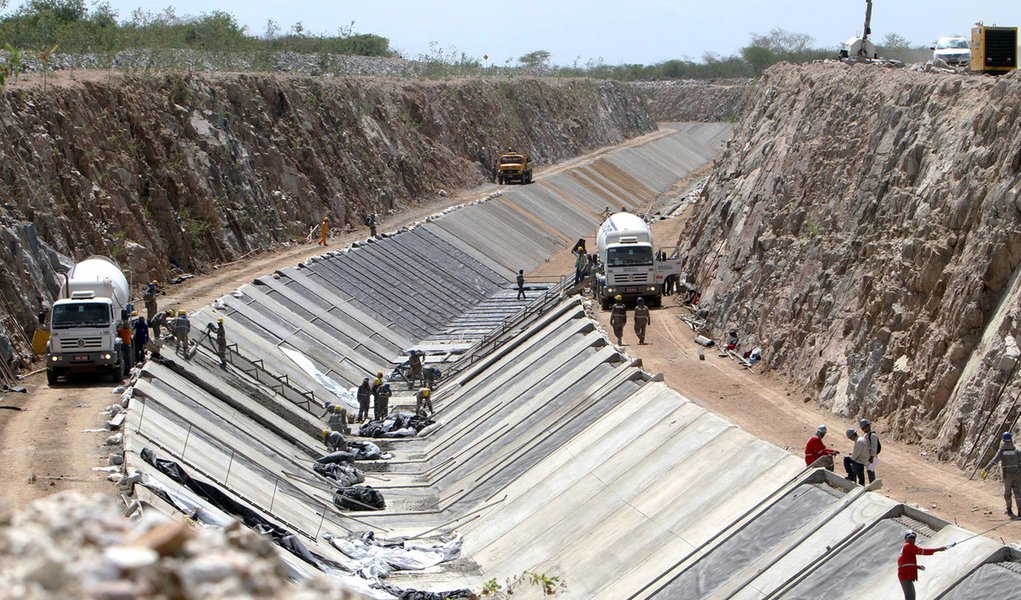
(953, 50)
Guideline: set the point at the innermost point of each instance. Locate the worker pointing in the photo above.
(907, 563)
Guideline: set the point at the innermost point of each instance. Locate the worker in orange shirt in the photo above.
(324, 230)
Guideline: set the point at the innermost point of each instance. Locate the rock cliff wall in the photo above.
(697, 100)
(864, 227)
(197, 170)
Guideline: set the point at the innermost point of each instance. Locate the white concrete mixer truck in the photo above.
(83, 321)
(628, 264)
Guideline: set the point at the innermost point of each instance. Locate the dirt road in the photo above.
(772, 409)
(46, 445)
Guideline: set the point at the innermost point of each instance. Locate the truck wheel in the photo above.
(51, 377)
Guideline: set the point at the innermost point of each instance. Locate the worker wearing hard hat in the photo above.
(140, 336)
(382, 405)
(1010, 464)
(364, 395)
(618, 318)
(415, 362)
(642, 320)
(181, 328)
(324, 230)
(907, 563)
(423, 401)
(221, 340)
(150, 300)
(334, 441)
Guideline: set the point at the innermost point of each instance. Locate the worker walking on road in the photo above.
(618, 318)
(364, 394)
(382, 406)
(580, 260)
(816, 449)
(150, 300)
(372, 221)
(642, 320)
(521, 284)
(140, 336)
(124, 333)
(1010, 465)
(907, 563)
(423, 401)
(324, 230)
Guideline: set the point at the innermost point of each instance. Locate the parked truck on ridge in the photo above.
(628, 265)
(83, 321)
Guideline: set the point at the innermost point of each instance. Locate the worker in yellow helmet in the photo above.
(221, 340)
(618, 318)
(324, 230)
(423, 401)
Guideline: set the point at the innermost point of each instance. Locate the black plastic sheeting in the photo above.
(359, 497)
(396, 425)
(336, 457)
(410, 594)
(344, 474)
(212, 494)
(988, 581)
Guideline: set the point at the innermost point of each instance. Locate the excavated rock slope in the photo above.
(696, 100)
(864, 229)
(197, 170)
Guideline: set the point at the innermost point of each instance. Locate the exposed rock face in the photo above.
(192, 171)
(697, 100)
(864, 226)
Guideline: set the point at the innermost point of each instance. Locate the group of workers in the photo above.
(860, 463)
(136, 332)
(372, 221)
(378, 394)
(618, 319)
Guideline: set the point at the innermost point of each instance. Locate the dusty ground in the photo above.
(772, 409)
(44, 443)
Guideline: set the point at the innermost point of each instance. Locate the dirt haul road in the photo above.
(772, 409)
(52, 439)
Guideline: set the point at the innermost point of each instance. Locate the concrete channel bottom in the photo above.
(551, 453)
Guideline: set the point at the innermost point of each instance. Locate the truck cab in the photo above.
(83, 322)
(628, 264)
(514, 166)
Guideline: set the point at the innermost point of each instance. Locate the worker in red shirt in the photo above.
(816, 449)
(907, 563)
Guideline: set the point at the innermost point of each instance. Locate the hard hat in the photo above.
(820, 429)
(377, 382)
(170, 312)
(863, 423)
(134, 313)
(337, 408)
(851, 432)
(909, 534)
(365, 379)
(219, 320)
(425, 392)
(1007, 437)
(641, 301)
(618, 297)
(326, 218)
(182, 313)
(379, 374)
(326, 433)
(386, 386)
(153, 282)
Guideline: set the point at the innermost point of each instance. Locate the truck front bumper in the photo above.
(81, 361)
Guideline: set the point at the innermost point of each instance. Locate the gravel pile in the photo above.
(71, 546)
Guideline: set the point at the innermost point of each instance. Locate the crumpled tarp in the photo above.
(366, 451)
(359, 497)
(344, 474)
(346, 396)
(398, 424)
(340, 456)
(217, 498)
(411, 594)
(374, 559)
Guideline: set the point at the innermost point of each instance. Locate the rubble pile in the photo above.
(71, 546)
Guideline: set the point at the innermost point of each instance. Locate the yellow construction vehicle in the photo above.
(514, 166)
(993, 49)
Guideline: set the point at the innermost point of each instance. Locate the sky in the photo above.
(613, 32)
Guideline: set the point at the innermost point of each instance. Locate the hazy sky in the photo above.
(622, 31)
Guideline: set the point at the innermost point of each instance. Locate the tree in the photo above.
(894, 41)
(272, 30)
(536, 60)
